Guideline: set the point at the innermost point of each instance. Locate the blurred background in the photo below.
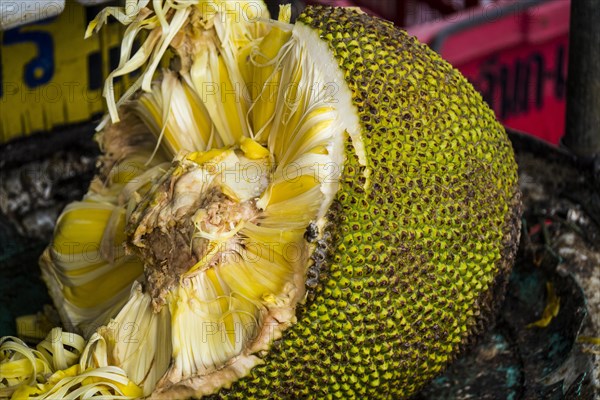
(514, 52)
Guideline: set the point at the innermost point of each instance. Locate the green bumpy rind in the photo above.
(409, 268)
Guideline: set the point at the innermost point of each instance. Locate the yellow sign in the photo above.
(51, 76)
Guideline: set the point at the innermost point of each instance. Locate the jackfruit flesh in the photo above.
(321, 210)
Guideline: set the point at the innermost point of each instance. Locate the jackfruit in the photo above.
(319, 210)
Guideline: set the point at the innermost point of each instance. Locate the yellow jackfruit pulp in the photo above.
(318, 210)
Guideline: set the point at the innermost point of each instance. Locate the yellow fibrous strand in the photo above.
(174, 109)
(550, 311)
(266, 80)
(91, 281)
(52, 371)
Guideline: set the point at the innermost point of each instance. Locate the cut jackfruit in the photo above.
(318, 210)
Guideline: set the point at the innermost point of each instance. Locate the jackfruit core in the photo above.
(198, 221)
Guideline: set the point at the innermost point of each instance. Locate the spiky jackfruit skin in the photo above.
(410, 265)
